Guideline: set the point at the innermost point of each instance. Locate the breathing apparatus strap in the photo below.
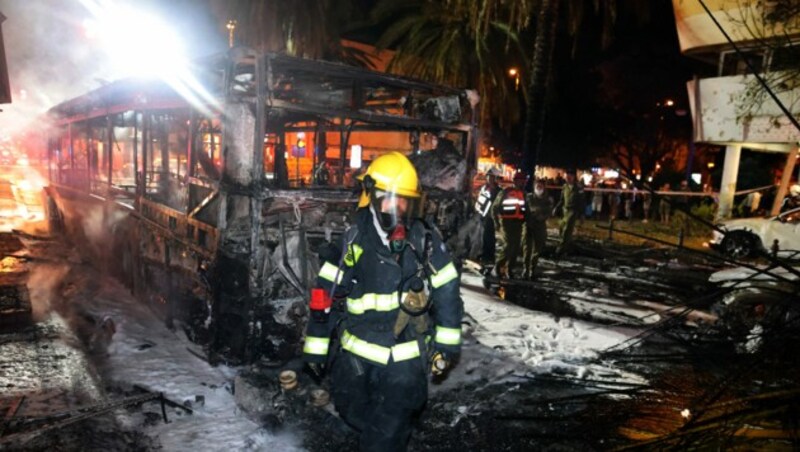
(348, 242)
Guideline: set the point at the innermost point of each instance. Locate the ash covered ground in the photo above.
(601, 352)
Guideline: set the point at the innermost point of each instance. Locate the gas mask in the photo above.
(392, 210)
(397, 239)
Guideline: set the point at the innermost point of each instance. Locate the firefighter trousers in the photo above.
(379, 401)
(511, 231)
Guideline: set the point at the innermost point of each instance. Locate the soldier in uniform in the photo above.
(539, 207)
(569, 204)
(510, 212)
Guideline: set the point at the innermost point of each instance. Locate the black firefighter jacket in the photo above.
(371, 281)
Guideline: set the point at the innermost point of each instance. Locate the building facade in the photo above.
(739, 39)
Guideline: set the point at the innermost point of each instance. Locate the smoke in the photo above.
(47, 62)
(52, 59)
(43, 284)
(99, 223)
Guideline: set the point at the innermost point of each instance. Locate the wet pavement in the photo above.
(663, 379)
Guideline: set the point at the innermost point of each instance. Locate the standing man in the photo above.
(539, 207)
(682, 205)
(402, 316)
(510, 211)
(664, 206)
(483, 205)
(569, 204)
(597, 201)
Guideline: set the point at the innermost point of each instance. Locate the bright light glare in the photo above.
(139, 44)
(142, 45)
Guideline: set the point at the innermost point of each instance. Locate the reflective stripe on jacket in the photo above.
(373, 280)
(513, 206)
(484, 201)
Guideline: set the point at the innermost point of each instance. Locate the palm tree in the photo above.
(482, 17)
(547, 16)
(543, 45)
(435, 41)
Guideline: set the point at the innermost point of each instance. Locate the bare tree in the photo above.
(767, 27)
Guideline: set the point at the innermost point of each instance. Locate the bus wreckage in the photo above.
(213, 210)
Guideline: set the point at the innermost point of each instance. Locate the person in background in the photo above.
(628, 204)
(682, 205)
(483, 205)
(539, 208)
(614, 200)
(647, 201)
(664, 207)
(569, 205)
(510, 211)
(597, 201)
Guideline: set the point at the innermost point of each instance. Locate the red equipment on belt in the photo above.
(320, 300)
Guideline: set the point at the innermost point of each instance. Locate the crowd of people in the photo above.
(520, 218)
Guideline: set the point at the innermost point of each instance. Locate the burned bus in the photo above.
(209, 199)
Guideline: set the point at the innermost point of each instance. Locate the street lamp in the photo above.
(514, 72)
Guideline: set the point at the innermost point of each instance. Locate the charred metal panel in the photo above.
(239, 128)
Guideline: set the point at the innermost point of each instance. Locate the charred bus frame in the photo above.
(196, 207)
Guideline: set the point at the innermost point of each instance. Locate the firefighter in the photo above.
(569, 204)
(539, 207)
(510, 212)
(483, 205)
(400, 309)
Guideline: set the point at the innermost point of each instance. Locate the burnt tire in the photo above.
(739, 244)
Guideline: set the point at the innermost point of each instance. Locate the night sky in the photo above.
(641, 68)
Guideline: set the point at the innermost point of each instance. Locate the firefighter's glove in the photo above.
(441, 362)
(317, 370)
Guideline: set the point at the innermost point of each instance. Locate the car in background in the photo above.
(744, 237)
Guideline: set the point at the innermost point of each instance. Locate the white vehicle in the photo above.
(745, 236)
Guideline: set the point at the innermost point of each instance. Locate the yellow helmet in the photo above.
(392, 173)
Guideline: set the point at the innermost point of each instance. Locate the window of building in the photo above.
(733, 63)
(785, 58)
